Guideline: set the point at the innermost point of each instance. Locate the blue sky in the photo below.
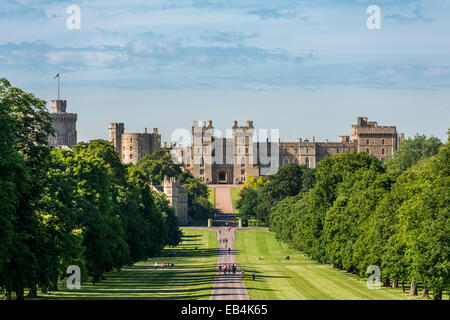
(308, 68)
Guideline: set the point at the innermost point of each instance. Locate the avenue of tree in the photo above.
(81, 207)
(353, 212)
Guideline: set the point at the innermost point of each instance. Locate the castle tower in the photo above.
(131, 147)
(378, 141)
(243, 152)
(64, 125)
(115, 136)
(178, 198)
(202, 151)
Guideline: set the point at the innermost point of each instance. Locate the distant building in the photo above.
(130, 147)
(64, 124)
(233, 160)
(177, 196)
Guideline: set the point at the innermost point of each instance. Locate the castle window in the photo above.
(286, 161)
(382, 141)
(307, 150)
(367, 141)
(307, 162)
(337, 150)
(242, 171)
(131, 156)
(382, 151)
(296, 161)
(202, 171)
(367, 151)
(242, 162)
(246, 150)
(202, 162)
(131, 148)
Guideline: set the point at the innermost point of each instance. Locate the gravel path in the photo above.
(228, 285)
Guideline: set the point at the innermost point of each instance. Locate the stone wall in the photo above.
(64, 124)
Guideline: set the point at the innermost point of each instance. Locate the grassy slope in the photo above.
(192, 277)
(300, 277)
(212, 196)
(235, 197)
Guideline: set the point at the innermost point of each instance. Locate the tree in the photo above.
(28, 125)
(412, 150)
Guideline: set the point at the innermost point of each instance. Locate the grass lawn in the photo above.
(235, 197)
(300, 277)
(212, 196)
(192, 276)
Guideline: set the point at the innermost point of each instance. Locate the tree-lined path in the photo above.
(228, 285)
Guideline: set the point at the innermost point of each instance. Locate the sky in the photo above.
(308, 68)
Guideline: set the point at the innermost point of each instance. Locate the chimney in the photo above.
(155, 130)
(209, 123)
(165, 144)
(235, 124)
(313, 139)
(145, 130)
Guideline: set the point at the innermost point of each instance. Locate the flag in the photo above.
(57, 76)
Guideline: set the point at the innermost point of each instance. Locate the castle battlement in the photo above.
(130, 147)
(64, 124)
(244, 160)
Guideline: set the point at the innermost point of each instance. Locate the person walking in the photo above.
(253, 275)
(242, 274)
(155, 266)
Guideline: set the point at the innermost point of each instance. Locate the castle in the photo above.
(177, 196)
(64, 125)
(231, 160)
(130, 147)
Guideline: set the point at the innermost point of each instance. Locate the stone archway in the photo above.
(222, 177)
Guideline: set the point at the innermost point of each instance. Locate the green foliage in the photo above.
(159, 165)
(24, 155)
(80, 207)
(257, 198)
(412, 150)
(357, 214)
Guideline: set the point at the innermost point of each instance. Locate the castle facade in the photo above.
(233, 159)
(130, 147)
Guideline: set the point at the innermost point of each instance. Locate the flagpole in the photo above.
(58, 86)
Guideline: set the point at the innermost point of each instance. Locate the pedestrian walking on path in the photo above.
(253, 275)
(242, 274)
